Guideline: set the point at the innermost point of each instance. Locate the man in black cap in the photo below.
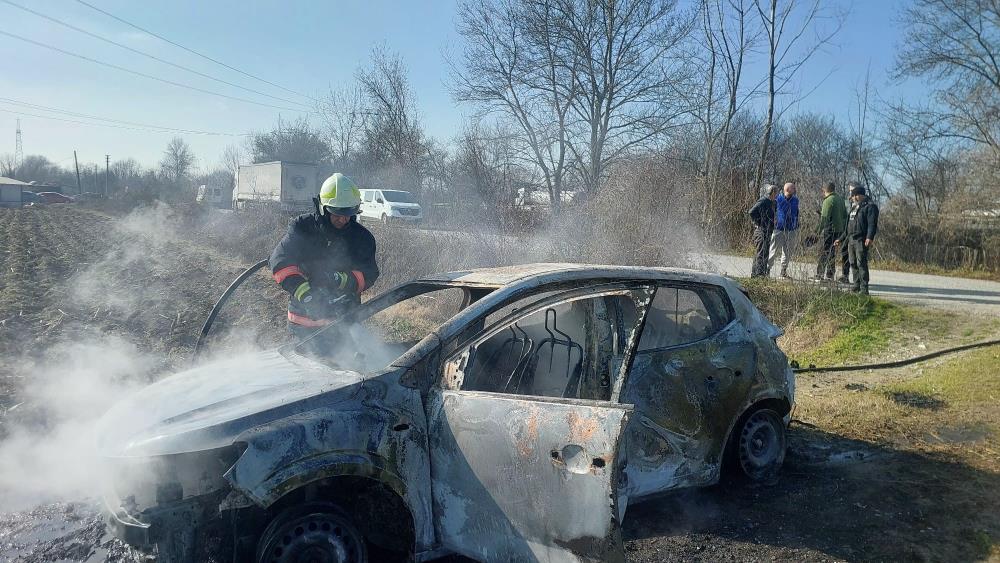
(862, 226)
(762, 215)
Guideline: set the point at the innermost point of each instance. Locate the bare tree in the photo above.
(8, 165)
(955, 44)
(785, 29)
(232, 158)
(623, 55)
(515, 63)
(393, 136)
(343, 113)
(178, 160)
(729, 31)
(126, 171)
(293, 142)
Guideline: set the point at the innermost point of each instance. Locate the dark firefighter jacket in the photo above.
(863, 222)
(762, 214)
(314, 250)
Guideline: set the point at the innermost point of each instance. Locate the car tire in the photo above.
(385, 220)
(759, 445)
(312, 531)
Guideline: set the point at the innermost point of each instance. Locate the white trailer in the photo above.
(289, 185)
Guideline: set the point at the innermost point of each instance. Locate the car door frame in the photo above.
(697, 453)
(597, 476)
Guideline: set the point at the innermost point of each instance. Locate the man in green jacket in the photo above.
(832, 228)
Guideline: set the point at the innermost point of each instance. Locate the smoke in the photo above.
(49, 452)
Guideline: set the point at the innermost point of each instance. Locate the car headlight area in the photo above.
(146, 498)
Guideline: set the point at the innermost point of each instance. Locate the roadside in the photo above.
(979, 297)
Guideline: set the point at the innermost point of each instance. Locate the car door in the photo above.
(529, 477)
(694, 366)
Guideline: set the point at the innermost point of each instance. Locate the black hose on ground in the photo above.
(897, 363)
(222, 301)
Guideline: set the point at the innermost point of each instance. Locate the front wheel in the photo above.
(318, 532)
(760, 445)
(385, 219)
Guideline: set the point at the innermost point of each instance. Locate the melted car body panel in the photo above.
(519, 478)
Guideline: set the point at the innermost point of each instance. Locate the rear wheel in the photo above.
(385, 219)
(313, 532)
(760, 445)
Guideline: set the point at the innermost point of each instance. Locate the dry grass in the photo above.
(950, 407)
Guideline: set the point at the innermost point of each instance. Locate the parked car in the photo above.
(31, 198)
(390, 206)
(549, 399)
(54, 197)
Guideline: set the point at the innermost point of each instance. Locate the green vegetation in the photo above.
(863, 326)
(965, 382)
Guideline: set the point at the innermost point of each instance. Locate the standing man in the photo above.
(786, 230)
(325, 260)
(832, 226)
(862, 226)
(762, 217)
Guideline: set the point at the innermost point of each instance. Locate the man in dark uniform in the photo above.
(762, 216)
(325, 260)
(862, 226)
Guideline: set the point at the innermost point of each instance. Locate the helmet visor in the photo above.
(342, 211)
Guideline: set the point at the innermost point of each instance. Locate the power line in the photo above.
(154, 57)
(149, 76)
(192, 51)
(109, 119)
(153, 128)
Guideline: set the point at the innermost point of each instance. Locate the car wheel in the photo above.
(312, 532)
(761, 445)
(385, 219)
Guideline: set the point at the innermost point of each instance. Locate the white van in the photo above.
(390, 206)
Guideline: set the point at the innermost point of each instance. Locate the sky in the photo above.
(306, 47)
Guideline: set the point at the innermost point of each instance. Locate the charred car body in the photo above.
(520, 428)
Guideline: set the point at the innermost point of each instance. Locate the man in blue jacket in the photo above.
(786, 228)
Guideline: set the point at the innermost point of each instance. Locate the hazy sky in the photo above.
(303, 46)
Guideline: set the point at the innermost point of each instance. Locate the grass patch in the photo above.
(863, 327)
(964, 382)
(827, 327)
(952, 407)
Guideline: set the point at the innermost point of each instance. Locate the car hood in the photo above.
(209, 406)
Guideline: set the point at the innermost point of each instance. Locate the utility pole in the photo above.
(107, 167)
(79, 189)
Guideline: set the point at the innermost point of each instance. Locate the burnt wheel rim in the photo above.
(315, 538)
(761, 444)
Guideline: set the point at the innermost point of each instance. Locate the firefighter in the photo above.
(325, 260)
(862, 226)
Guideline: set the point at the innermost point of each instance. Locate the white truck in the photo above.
(289, 185)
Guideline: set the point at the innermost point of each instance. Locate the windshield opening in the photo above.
(385, 328)
(397, 196)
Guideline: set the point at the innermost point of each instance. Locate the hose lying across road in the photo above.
(897, 363)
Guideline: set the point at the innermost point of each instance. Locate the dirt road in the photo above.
(976, 296)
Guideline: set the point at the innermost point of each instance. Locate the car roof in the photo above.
(553, 271)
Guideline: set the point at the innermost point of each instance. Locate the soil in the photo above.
(836, 499)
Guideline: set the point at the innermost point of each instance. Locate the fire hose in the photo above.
(222, 301)
(897, 363)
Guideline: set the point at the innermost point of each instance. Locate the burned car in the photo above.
(544, 401)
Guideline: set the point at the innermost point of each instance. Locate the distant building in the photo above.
(10, 191)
